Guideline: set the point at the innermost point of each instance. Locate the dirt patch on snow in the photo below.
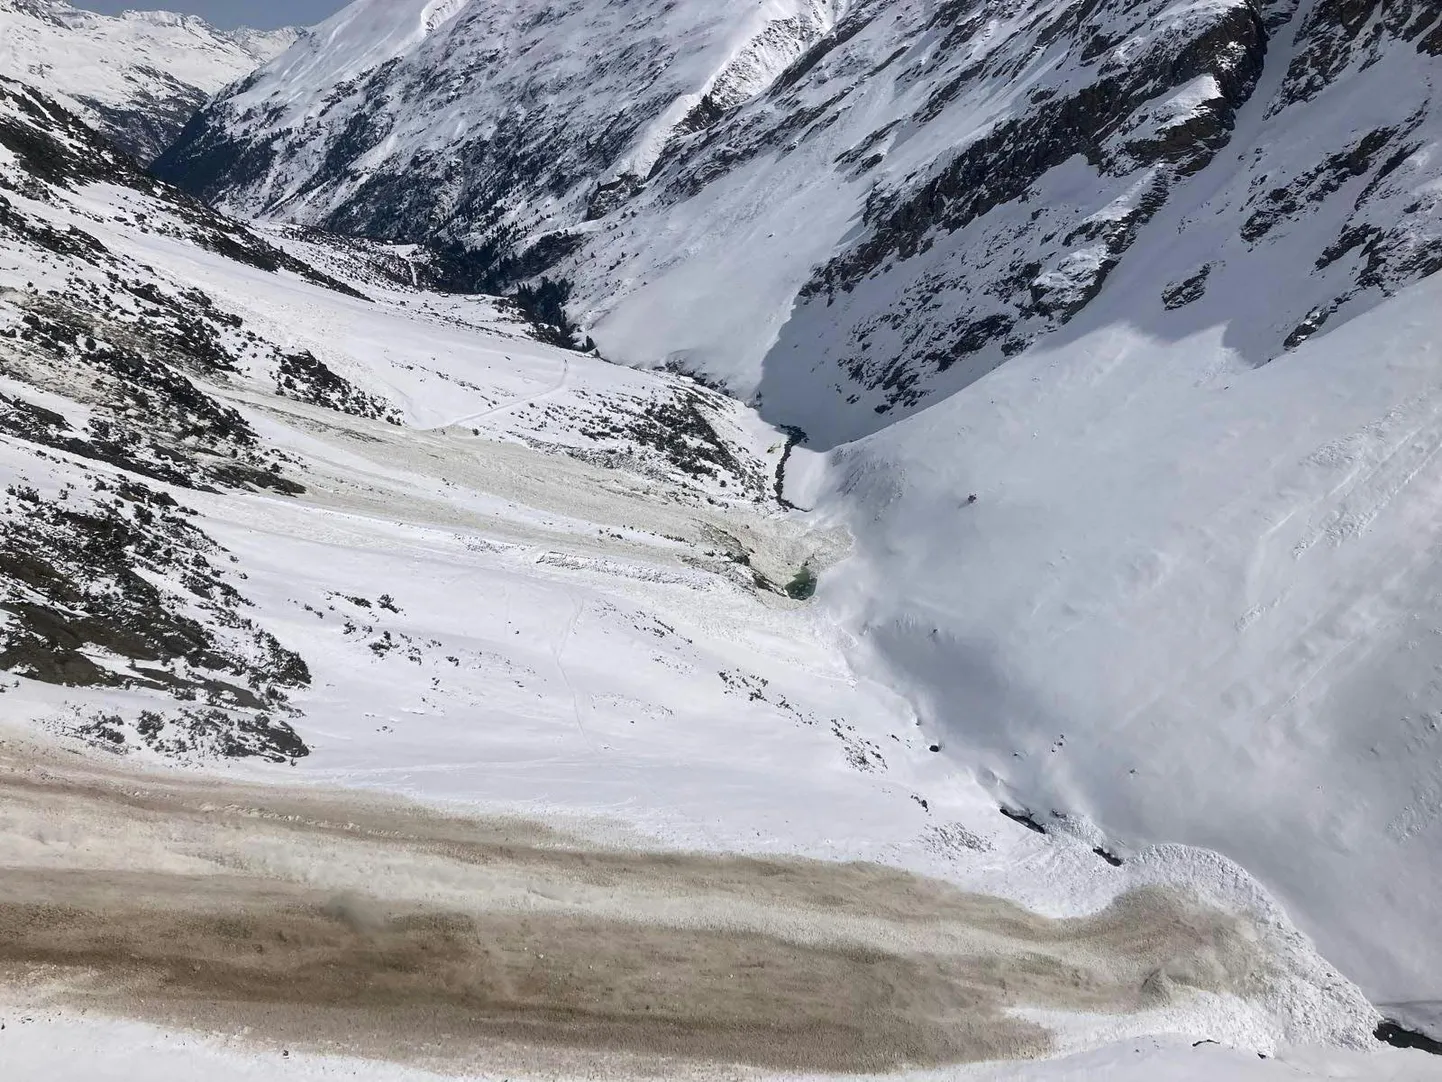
(346, 922)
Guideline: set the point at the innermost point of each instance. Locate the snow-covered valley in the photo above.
(275, 515)
(391, 689)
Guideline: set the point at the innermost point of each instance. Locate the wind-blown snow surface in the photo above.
(67, 1049)
(359, 534)
(137, 76)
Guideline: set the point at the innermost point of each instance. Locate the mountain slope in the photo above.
(847, 211)
(1153, 281)
(508, 110)
(1192, 600)
(149, 373)
(138, 76)
(274, 513)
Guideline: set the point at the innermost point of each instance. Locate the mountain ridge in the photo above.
(906, 152)
(138, 76)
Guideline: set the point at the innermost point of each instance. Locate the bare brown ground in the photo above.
(348, 922)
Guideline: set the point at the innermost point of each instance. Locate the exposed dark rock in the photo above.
(304, 377)
(121, 590)
(1398, 1036)
(1025, 818)
(1313, 186)
(1180, 294)
(611, 195)
(147, 415)
(203, 159)
(844, 31)
(55, 147)
(1308, 327)
(1002, 164)
(150, 123)
(1338, 34)
(678, 428)
(195, 732)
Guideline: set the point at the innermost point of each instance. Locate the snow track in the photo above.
(559, 648)
(325, 920)
(562, 381)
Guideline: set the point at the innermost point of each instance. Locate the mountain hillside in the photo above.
(287, 538)
(846, 211)
(138, 76)
(1153, 282)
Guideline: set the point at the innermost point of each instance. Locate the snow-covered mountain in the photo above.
(1151, 280)
(850, 210)
(138, 76)
(274, 512)
(1112, 326)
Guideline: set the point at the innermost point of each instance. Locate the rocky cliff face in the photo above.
(138, 77)
(849, 210)
(111, 584)
(520, 117)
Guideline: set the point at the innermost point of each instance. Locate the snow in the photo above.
(705, 272)
(353, 41)
(712, 262)
(1195, 600)
(124, 60)
(496, 623)
(759, 46)
(72, 1049)
(1191, 619)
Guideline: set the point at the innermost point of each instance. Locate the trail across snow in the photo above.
(336, 922)
(560, 385)
(560, 644)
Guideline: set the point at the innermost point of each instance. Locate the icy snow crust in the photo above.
(509, 605)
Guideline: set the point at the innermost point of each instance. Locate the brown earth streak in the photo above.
(342, 921)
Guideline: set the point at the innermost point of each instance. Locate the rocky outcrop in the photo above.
(530, 142)
(110, 582)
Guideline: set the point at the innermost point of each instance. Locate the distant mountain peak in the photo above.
(137, 76)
